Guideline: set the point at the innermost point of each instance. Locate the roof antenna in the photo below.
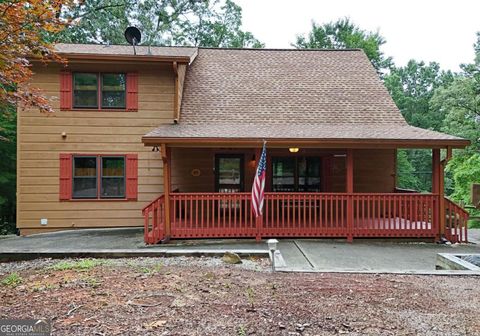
(133, 37)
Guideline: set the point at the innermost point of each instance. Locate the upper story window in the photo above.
(99, 90)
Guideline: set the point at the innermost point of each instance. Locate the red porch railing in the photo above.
(199, 215)
(456, 222)
(328, 215)
(395, 215)
(212, 215)
(154, 221)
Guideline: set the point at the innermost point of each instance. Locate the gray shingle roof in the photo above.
(285, 86)
(125, 50)
(288, 94)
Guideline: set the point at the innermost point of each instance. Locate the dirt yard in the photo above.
(204, 296)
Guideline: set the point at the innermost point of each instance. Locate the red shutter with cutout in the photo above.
(132, 91)
(131, 176)
(65, 90)
(65, 176)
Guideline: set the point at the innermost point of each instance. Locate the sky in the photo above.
(443, 31)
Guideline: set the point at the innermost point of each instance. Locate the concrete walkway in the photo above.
(374, 256)
(474, 236)
(320, 255)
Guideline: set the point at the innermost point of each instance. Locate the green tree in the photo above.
(210, 23)
(406, 177)
(8, 148)
(412, 88)
(460, 102)
(343, 34)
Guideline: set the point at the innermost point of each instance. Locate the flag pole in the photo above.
(258, 189)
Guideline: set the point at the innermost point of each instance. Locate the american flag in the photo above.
(258, 187)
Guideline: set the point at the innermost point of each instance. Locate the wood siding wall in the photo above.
(374, 170)
(184, 160)
(99, 132)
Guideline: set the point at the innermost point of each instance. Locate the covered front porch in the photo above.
(342, 192)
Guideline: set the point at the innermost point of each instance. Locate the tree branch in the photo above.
(97, 9)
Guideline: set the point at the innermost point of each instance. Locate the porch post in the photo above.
(166, 158)
(438, 188)
(349, 185)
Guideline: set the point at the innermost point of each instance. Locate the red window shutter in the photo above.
(132, 91)
(65, 90)
(65, 176)
(131, 176)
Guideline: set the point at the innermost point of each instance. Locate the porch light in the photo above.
(294, 149)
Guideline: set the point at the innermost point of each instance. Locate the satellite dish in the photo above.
(133, 37)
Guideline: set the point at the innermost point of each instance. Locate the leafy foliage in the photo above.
(412, 87)
(460, 102)
(23, 26)
(211, 23)
(466, 170)
(8, 148)
(343, 34)
(406, 178)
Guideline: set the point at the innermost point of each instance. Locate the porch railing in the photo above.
(197, 215)
(154, 221)
(456, 222)
(348, 215)
(201, 215)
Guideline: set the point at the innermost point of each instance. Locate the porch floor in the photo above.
(365, 227)
(396, 223)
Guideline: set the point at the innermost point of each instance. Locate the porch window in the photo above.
(301, 174)
(98, 177)
(229, 173)
(99, 90)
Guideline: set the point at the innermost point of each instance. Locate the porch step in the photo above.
(151, 239)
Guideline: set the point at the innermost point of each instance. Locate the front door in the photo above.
(229, 173)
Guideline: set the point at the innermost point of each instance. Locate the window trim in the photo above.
(98, 177)
(99, 92)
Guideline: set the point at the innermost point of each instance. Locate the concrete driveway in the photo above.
(364, 255)
(319, 255)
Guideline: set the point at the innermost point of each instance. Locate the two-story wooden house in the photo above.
(177, 132)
